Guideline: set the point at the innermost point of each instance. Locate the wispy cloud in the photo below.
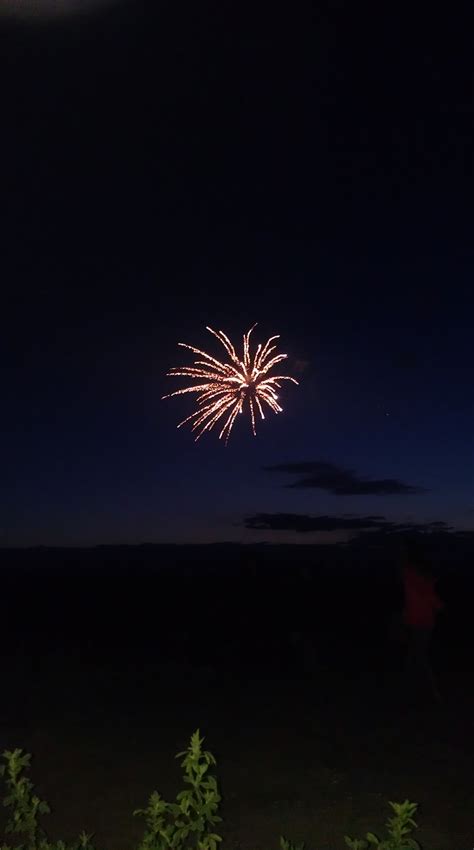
(340, 481)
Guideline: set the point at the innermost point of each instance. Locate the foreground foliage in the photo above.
(186, 824)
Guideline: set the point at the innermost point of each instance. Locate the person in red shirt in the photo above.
(421, 607)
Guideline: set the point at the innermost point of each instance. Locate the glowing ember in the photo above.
(225, 388)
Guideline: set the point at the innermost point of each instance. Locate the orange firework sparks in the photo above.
(224, 388)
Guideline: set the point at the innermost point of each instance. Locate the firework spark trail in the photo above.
(224, 387)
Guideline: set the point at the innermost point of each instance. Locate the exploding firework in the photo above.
(230, 387)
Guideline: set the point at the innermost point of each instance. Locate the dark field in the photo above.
(289, 665)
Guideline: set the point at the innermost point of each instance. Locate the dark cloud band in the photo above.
(305, 523)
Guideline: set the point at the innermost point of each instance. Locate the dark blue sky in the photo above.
(165, 169)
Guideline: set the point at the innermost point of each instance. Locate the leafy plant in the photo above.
(189, 821)
(26, 808)
(288, 845)
(399, 827)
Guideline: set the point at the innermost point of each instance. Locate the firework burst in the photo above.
(225, 389)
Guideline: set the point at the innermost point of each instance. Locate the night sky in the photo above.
(167, 166)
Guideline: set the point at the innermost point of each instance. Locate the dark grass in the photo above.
(295, 681)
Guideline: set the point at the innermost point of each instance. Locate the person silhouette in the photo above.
(421, 607)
